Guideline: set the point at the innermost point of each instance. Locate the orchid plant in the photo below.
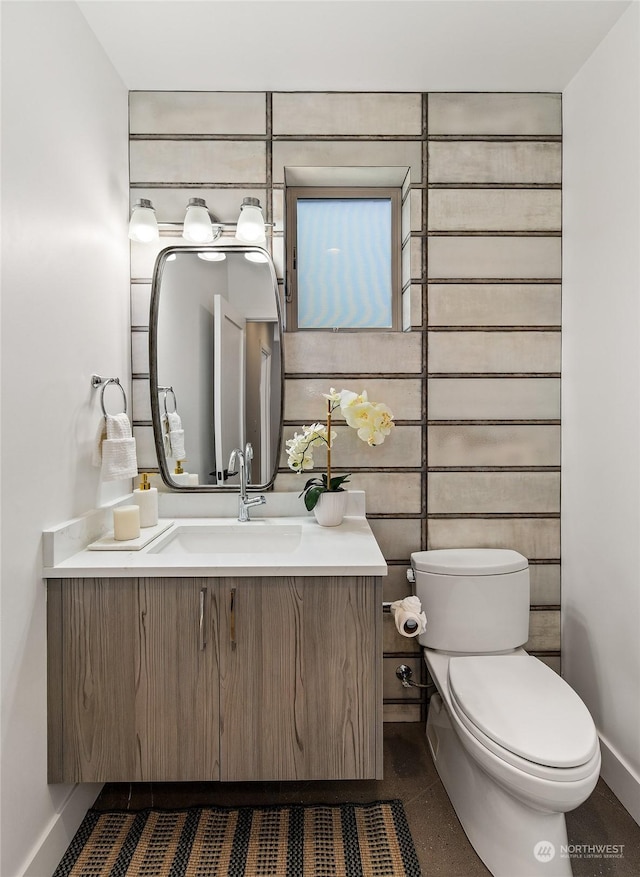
(372, 420)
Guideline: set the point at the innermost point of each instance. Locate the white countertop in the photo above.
(348, 549)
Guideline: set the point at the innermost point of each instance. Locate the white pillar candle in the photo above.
(126, 523)
(192, 480)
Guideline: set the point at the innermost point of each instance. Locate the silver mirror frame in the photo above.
(153, 365)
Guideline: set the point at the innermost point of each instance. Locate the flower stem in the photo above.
(328, 444)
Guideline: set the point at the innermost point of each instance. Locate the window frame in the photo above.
(295, 193)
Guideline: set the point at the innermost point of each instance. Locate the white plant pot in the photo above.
(331, 507)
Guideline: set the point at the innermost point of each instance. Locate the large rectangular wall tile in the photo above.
(336, 153)
(402, 448)
(197, 112)
(495, 210)
(394, 584)
(412, 307)
(141, 399)
(397, 538)
(494, 304)
(304, 399)
(493, 493)
(495, 113)
(391, 685)
(494, 445)
(386, 492)
(451, 352)
(390, 493)
(383, 353)
(497, 257)
(537, 538)
(145, 448)
(310, 113)
(400, 712)
(544, 631)
(205, 162)
(545, 584)
(416, 250)
(140, 353)
(416, 209)
(494, 163)
(493, 398)
(140, 302)
(171, 204)
(392, 641)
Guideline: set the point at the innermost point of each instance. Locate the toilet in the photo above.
(513, 744)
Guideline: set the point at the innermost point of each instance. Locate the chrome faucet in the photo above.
(244, 502)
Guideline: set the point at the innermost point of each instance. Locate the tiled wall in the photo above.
(475, 385)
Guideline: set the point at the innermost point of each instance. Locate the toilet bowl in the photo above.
(514, 745)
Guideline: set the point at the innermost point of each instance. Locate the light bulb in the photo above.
(197, 223)
(143, 225)
(250, 228)
(212, 256)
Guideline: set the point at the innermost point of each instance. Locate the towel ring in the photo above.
(166, 391)
(103, 383)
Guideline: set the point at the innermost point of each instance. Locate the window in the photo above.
(343, 268)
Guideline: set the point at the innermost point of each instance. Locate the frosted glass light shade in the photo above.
(197, 223)
(256, 257)
(143, 225)
(250, 228)
(212, 256)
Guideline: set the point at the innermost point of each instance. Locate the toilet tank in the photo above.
(476, 599)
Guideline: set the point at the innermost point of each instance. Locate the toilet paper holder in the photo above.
(411, 625)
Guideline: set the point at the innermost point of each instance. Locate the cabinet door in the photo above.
(300, 668)
(139, 680)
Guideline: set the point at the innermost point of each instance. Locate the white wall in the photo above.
(601, 399)
(64, 316)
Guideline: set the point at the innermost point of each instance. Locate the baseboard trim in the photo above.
(621, 779)
(57, 836)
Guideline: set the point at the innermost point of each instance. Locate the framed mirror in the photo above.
(216, 365)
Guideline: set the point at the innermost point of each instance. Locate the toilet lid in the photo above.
(524, 707)
(469, 561)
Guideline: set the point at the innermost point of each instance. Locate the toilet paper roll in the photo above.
(409, 618)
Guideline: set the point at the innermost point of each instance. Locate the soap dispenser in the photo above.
(179, 475)
(146, 498)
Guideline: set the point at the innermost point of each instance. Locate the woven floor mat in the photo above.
(344, 840)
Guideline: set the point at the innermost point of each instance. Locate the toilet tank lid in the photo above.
(468, 561)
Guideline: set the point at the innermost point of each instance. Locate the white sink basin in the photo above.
(253, 537)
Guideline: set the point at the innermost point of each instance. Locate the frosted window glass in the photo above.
(344, 263)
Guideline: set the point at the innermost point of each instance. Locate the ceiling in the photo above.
(342, 45)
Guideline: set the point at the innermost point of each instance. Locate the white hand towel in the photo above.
(164, 428)
(176, 436)
(115, 448)
(101, 434)
(119, 459)
(409, 617)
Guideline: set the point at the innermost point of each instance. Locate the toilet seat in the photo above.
(524, 713)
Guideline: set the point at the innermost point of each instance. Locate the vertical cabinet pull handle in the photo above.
(203, 594)
(232, 620)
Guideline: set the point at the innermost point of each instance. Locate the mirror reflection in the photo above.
(216, 365)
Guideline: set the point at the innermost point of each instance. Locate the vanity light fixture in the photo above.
(143, 225)
(256, 257)
(250, 227)
(197, 223)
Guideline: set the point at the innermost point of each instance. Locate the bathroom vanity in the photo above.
(170, 665)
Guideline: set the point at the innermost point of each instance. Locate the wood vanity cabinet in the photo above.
(244, 678)
(133, 680)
